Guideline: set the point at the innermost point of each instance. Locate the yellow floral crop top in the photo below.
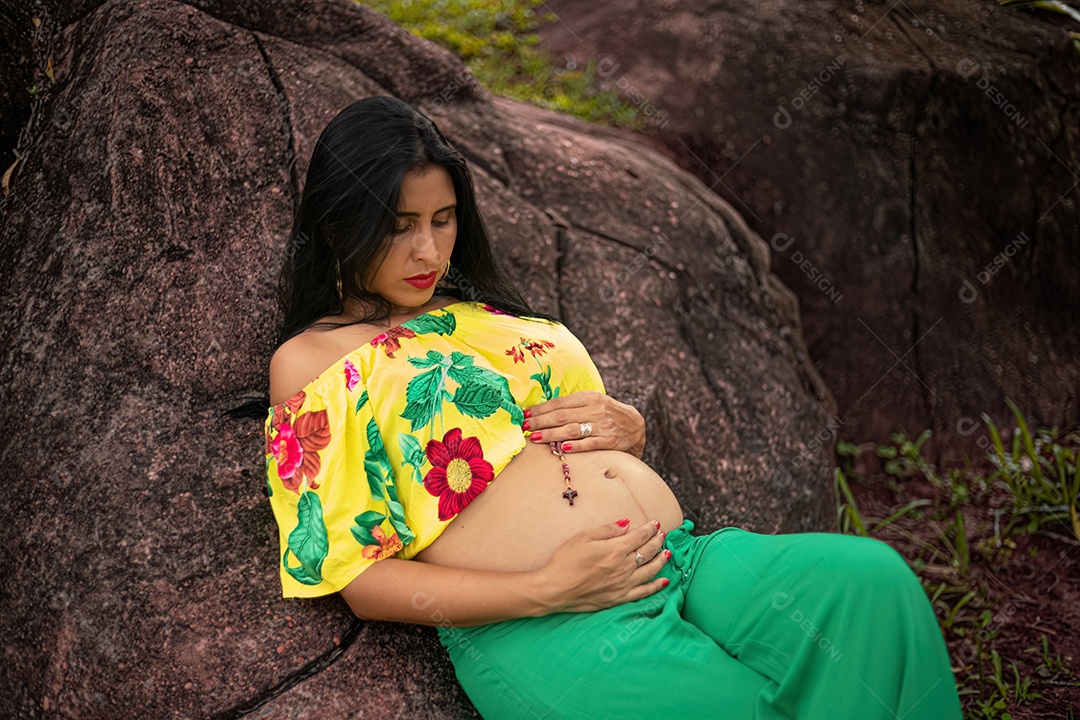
(374, 457)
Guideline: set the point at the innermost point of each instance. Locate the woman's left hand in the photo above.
(615, 425)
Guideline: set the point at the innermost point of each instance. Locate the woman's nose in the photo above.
(422, 241)
(424, 244)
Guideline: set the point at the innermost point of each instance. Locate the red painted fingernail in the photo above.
(666, 582)
(623, 523)
(536, 436)
(528, 413)
(667, 554)
(657, 524)
(525, 425)
(566, 446)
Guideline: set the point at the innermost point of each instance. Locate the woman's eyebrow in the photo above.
(448, 207)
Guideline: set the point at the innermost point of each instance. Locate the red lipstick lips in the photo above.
(421, 281)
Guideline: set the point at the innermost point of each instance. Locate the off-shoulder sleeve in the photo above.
(330, 486)
(579, 371)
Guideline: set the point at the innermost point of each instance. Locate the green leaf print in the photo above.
(482, 391)
(424, 324)
(478, 398)
(460, 361)
(544, 378)
(269, 490)
(509, 402)
(374, 478)
(397, 515)
(433, 358)
(369, 518)
(376, 462)
(361, 402)
(516, 414)
(364, 522)
(308, 541)
(414, 455)
(424, 396)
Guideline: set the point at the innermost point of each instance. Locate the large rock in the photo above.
(915, 167)
(139, 567)
(15, 87)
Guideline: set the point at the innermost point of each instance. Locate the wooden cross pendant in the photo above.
(570, 494)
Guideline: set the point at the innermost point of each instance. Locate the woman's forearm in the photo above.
(418, 592)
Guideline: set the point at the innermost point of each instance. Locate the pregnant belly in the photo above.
(521, 518)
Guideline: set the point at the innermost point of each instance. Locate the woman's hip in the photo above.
(623, 659)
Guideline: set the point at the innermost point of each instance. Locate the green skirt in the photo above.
(752, 627)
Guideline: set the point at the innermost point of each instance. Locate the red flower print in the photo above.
(294, 403)
(288, 453)
(352, 376)
(387, 545)
(458, 472)
(296, 447)
(536, 347)
(287, 409)
(389, 339)
(313, 431)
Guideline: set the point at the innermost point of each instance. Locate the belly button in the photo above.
(610, 473)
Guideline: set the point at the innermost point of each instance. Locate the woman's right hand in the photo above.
(595, 569)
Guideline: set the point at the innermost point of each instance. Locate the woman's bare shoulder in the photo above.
(291, 368)
(304, 357)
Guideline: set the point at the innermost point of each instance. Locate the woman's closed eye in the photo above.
(435, 223)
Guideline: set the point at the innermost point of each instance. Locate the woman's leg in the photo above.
(638, 660)
(840, 624)
(635, 660)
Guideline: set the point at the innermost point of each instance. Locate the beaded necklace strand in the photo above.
(556, 449)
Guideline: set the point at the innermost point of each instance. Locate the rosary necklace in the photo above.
(556, 449)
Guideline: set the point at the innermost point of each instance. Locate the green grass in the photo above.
(1041, 472)
(1053, 6)
(1030, 485)
(497, 40)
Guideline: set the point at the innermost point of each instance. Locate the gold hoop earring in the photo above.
(447, 271)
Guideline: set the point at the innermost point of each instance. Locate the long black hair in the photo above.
(348, 209)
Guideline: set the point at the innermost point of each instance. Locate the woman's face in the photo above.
(423, 240)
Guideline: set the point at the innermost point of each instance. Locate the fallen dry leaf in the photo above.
(7, 177)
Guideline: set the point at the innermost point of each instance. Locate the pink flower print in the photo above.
(496, 311)
(289, 455)
(352, 376)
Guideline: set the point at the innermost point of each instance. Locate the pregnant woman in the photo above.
(439, 453)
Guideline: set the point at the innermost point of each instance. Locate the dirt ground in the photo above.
(1021, 594)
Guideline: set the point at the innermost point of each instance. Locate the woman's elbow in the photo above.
(356, 608)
